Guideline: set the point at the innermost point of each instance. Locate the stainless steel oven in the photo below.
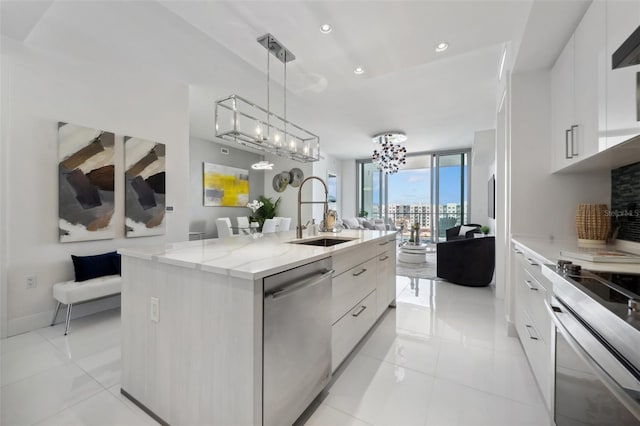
(593, 386)
(597, 348)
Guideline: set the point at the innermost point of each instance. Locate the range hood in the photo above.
(628, 53)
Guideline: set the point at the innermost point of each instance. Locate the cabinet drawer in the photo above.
(351, 286)
(344, 260)
(537, 348)
(386, 245)
(346, 333)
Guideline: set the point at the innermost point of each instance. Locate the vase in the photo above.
(592, 224)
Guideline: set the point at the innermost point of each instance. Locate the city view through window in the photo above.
(434, 198)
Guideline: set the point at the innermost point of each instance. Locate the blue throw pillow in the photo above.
(88, 267)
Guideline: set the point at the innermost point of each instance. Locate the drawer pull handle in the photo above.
(517, 251)
(383, 259)
(384, 244)
(357, 274)
(529, 328)
(532, 262)
(529, 284)
(360, 310)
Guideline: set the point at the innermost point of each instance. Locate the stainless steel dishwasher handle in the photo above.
(384, 258)
(604, 365)
(310, 282)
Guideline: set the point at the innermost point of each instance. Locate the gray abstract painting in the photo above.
(85, 183)
(144, 187)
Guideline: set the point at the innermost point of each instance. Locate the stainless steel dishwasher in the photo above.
(297, 340)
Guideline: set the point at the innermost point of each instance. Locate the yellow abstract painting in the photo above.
(225, 186)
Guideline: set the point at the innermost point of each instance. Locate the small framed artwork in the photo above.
(225, 186)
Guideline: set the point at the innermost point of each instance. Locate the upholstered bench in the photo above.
(97, 277)
(72, 292)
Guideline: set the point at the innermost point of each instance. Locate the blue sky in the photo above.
(414, 186)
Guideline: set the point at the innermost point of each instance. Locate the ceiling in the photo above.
(438, 99)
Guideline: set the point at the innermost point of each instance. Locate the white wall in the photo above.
(45, 90)
(483, 164)
(203, 219)
(348, 188)
(542, 203)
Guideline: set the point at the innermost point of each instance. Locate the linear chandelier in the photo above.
(391, 154)
(244, 122)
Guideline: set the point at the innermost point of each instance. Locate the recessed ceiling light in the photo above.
(358, 71)
(325, 28)
(441, 47)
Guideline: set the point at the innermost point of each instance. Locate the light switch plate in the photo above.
(154, 309)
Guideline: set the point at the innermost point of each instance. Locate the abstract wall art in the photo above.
(144, 187)
(85, 183)
(225, 186)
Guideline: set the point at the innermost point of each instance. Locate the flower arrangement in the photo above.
(263, 208)
(255, 205)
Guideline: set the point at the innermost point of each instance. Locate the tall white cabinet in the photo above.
(578, 86)
(623, 120)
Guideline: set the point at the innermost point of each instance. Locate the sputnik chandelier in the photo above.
(391, 154)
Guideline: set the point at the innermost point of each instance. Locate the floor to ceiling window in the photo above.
(431, 190)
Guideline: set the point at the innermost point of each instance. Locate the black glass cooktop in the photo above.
(626, 286)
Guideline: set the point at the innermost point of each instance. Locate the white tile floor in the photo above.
(441, 358)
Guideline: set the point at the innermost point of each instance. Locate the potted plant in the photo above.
(485, 230)
(268, 210)
(363, 213)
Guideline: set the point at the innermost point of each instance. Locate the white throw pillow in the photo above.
(351, 222)
(465, 229)
(380, 226)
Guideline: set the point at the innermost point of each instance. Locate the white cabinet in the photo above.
(533, 323)
(386, 277)
(578, 86)
(562, 107)
(623, 17)
(363, 286)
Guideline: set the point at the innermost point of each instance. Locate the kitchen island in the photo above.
(192, 317)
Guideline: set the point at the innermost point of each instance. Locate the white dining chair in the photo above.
(285, 224)
(269, 226)
(243, 224)
(224, 227)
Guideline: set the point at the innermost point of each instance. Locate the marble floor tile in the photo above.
(33, 399)
(380, 393)
(102, 409)
(453, 404)
(105, 367)
(328, 416)
(27, 361)
(20, 341)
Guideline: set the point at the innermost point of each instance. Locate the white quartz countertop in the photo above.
(247, 257)
(549, 252)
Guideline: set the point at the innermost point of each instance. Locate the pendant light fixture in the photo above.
(390, 156)
(244, 122)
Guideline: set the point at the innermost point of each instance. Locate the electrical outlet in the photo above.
(32, 282)
(154, 309)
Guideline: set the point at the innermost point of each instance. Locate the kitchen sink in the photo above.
(323, 242)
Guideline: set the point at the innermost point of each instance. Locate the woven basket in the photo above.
(592, 223)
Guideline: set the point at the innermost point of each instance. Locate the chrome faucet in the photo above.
(299, 227)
